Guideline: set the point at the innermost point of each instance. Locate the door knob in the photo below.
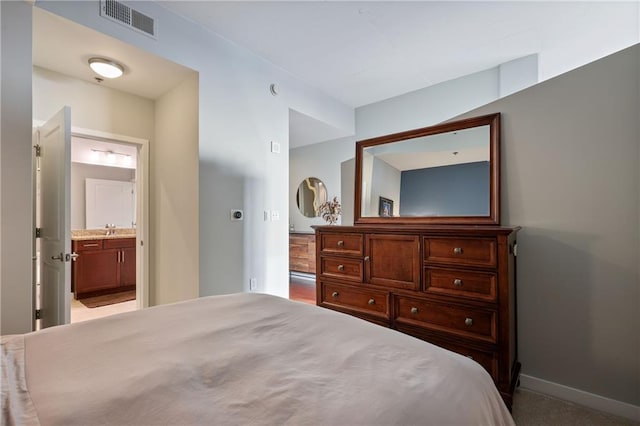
(59, 257)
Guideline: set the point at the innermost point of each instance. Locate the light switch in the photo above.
(267, 215)
(275, 147)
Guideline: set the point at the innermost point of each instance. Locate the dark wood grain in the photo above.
(103, 265)
(453, 286)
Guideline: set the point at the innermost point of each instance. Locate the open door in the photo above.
(54, 150)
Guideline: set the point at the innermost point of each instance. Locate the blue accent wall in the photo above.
(457, 190)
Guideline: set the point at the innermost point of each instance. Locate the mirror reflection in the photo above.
(446, 174)
(312, 193)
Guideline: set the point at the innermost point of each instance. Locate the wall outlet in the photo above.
(253, 284)
(275, 215)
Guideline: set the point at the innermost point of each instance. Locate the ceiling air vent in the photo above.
(125, 15)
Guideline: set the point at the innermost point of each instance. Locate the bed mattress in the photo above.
(249, 359)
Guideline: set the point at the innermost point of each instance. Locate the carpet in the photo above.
(108, 299)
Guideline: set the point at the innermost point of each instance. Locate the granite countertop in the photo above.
(96, 234)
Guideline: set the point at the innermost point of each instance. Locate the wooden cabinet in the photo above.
(302, 252)
(103, 265)
(453, 286)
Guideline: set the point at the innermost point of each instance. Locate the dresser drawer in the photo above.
(362, 300)
(343, 268)
(455, 319)
(461, 251)
(344, 244)
(487, 359)
(459, 283)
(120, 243)
(85, 245)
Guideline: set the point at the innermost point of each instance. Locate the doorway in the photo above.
(104, 173)
(131, 258)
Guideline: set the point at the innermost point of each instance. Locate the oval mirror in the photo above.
(311, 194)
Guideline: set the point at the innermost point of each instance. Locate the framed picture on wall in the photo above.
(385, 207)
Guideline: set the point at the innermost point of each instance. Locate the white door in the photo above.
(55, 243)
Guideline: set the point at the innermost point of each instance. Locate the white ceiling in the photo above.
(65, 47)
(362, 52)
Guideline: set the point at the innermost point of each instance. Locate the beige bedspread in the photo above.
(244, 359)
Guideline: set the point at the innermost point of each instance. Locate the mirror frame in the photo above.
(492, 120)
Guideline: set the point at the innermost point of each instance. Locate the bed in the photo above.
(242, 359)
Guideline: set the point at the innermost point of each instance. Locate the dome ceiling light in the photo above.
(106, 68)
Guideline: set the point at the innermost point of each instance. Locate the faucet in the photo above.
(111, 229)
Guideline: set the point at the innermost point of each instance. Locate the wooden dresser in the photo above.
(453, 286)
(302, 252)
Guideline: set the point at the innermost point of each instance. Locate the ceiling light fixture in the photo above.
(106, 68)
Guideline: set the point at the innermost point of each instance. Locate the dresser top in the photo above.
(413, 229)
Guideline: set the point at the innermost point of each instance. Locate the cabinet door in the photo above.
(96, 270)
(128, 267)
(393, 261)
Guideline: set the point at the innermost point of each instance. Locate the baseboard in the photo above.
(303, 276)
(580, 397)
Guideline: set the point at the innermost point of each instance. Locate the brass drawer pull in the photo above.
(340, 267)
(372, 301)
(414, 310)
(457, 282)
(335, 294)
(468, 322)
(340, 243)
(457, 250)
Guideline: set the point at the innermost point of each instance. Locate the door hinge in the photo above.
(38, 149)
(38, 232)
(38, 314)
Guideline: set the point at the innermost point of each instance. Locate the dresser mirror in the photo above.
(444, 174)
(312, 193)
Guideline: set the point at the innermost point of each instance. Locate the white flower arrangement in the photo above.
(330, 211)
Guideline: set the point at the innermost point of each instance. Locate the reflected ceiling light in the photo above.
(106, 68)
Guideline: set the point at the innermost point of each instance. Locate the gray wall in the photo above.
(456, 190)
(570, 178)
(79, 173)
(321, 161)
(16, 315)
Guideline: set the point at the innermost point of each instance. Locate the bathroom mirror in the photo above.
(444, 174)
(312, 193)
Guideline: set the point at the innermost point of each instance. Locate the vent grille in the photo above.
(123, 14)
(142, 22)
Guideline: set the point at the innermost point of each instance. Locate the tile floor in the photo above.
(79, 312)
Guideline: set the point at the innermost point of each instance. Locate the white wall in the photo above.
(430, 105)
(321, 161)
(570, 178)
(174, 195)
(386, 181)
(79, 173)
(517, 75)
(93, 106)
(16, 314)
(238, 117)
